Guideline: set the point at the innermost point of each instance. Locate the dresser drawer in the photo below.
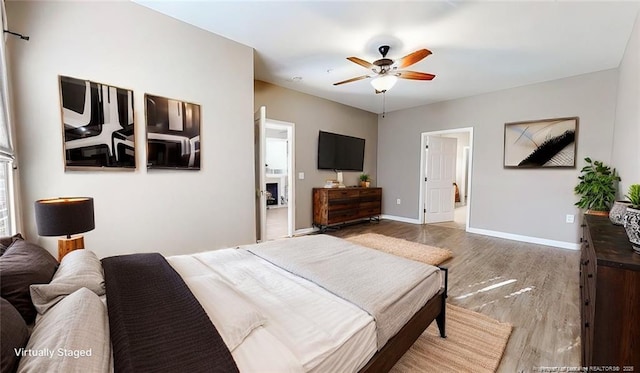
(342, 215)
(342, 204)
(373, 192)
(365, 213)
(370, 205)
(338, 194)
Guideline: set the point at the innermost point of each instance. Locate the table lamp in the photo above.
(65, 216)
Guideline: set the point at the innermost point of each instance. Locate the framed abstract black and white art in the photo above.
(541, 143)
(173, 133)
(98, 126)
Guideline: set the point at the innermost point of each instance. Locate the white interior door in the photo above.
(440, 174)
(260, 142)
(286, 186)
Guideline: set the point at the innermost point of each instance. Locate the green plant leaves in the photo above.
(597, 186)
(634, 195)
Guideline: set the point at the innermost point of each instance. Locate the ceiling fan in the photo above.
(386, 71)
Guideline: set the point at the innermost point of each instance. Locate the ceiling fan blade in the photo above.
(414, 75)
(361, 62)
(412, 58)
(352, 80)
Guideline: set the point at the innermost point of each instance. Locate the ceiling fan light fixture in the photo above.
(384, 83)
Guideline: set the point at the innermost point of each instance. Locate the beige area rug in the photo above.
(396, 246)
(474, 343)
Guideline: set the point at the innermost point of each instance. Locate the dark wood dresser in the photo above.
(339, 205)
(610, 297)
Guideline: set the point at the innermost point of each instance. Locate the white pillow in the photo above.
(78, 269)
(74, 333)
(230, 311)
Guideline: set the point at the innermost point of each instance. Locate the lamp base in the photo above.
(67, 245)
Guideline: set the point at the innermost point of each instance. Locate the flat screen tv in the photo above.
(340, 152)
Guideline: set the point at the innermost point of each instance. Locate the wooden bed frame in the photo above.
(382, 361)
(395, 348)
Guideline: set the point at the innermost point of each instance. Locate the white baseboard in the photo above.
(400, 218)
(303, 231)
(485, 232)
(508, 236)
(517, 237)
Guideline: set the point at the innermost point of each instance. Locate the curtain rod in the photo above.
(23, 37)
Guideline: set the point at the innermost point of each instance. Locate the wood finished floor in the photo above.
(276, 222)
(533, 287)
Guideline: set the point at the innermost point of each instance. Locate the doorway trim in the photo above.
(421, 188)
(291, 164)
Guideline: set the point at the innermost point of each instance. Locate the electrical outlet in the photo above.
(398, 201)
(570, 218)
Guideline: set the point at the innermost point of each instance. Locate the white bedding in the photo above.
(388, 287)
(308, 329)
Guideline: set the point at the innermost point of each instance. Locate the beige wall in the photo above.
(174, 212)
(311, 114)
(531, 203)
(626, 139)
(127, 45)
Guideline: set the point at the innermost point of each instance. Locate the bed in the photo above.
(309, 304)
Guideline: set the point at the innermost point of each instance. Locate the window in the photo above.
(7, 206)
(6, 220)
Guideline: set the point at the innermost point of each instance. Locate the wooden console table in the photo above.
(333, 206)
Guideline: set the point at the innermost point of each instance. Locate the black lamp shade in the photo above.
(64, 216)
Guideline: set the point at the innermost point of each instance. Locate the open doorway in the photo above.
(446, 207)
(279, 170)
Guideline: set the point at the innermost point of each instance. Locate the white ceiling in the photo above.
(477, 47)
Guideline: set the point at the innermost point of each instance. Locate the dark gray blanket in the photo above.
(156, 323)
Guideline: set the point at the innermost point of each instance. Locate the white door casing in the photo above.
(440, 175)
(291, 164)
(259, 143)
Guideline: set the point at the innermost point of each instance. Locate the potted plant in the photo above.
(365, 181)
(632, 217)
(597, 187)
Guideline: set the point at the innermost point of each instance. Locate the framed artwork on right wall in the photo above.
(546, 143)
